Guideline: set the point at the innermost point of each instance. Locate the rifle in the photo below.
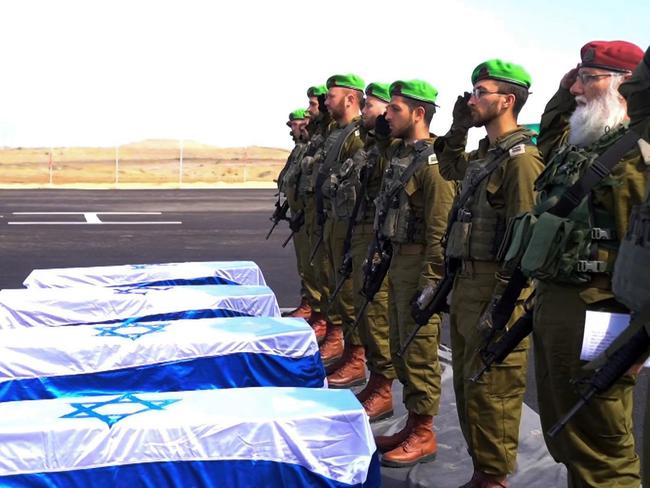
(616, 366)
(296, 222)
(280, 213)
(497, 352)
(375, 268)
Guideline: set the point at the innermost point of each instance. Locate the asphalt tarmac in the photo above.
(69, 228)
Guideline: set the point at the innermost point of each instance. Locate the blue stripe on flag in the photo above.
(206, 474)
(207, 280)
(205, 313)
(228, 371)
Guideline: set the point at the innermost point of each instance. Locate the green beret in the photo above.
(378, 90)
(496, 69)
(316, 91)
(299, 114)
(415, 89)
(346, 81)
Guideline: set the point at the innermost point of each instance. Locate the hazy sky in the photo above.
(228, 73)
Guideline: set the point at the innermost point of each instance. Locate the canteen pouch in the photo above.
(544, 257)
(516, 239)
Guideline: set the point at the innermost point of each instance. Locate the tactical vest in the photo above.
(402, 223)
(307, 165)
(347, 185)
(289, 178)
(565, 249)
(330, 183)
(479, 228)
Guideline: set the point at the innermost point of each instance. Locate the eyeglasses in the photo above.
(479, 92)
(586, 78)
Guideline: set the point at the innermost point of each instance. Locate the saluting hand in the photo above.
(462, 115)
(570, 77)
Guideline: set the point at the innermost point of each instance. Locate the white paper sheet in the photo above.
(601, 328)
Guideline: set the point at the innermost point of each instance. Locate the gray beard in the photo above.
(590, 122)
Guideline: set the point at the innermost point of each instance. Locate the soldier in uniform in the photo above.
(572, 259)
(489, 410)
(319, 122)
(288, 185)
(415, 221)
(357, 186)
(344, 99)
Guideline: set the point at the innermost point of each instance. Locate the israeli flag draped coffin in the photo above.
(240, 437)
(51, 362)
(96, 305)
(166, 274)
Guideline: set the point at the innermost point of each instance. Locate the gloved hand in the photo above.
(462, 115)
(569, 78)
(382, 129)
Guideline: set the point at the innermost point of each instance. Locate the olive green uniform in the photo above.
(415, 229)
(574, 274)
(341, 312)
(489, 410)
(306, 181)
(373, 326)
(288, 185)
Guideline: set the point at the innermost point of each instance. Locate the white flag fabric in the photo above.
(51, 362)
(164, 274)
(97, 305)
(271, 437)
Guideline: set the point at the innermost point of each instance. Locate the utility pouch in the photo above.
(516, 239)
(458, 240)
(543, 259)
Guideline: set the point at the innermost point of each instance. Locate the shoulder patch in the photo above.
(517, 150)
(432, 159)
(644, 147)
(357, 133)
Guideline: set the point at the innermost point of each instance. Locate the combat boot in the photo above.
(367, 390)
(331, 349)
(318, 323)
(419, 447)
(302, 311)
(352, 372)
(387, 443)
(483, 480)
(379, 404)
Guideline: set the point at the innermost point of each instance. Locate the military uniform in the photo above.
(572, 260)
(489, 410)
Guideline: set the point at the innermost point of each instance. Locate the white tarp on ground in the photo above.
(49, 362)
(97, 305)
(164, 274)
(323, 433)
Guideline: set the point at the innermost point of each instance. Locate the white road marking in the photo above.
(92, 218)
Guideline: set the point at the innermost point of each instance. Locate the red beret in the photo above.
(611, 55)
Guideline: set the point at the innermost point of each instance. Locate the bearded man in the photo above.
(489, 410)
(572, 255)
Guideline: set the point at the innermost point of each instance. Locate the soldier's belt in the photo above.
(409, 249)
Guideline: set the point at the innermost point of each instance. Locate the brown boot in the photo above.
(483, 480)
(332, 348)
(302, 311)
(352, 372)
(363, 395)
(419, 447)
(379, 404)
(318, 323)
(387, 443)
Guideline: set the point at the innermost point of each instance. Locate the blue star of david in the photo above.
(139, 289)
(123, 330)
(88, 409)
